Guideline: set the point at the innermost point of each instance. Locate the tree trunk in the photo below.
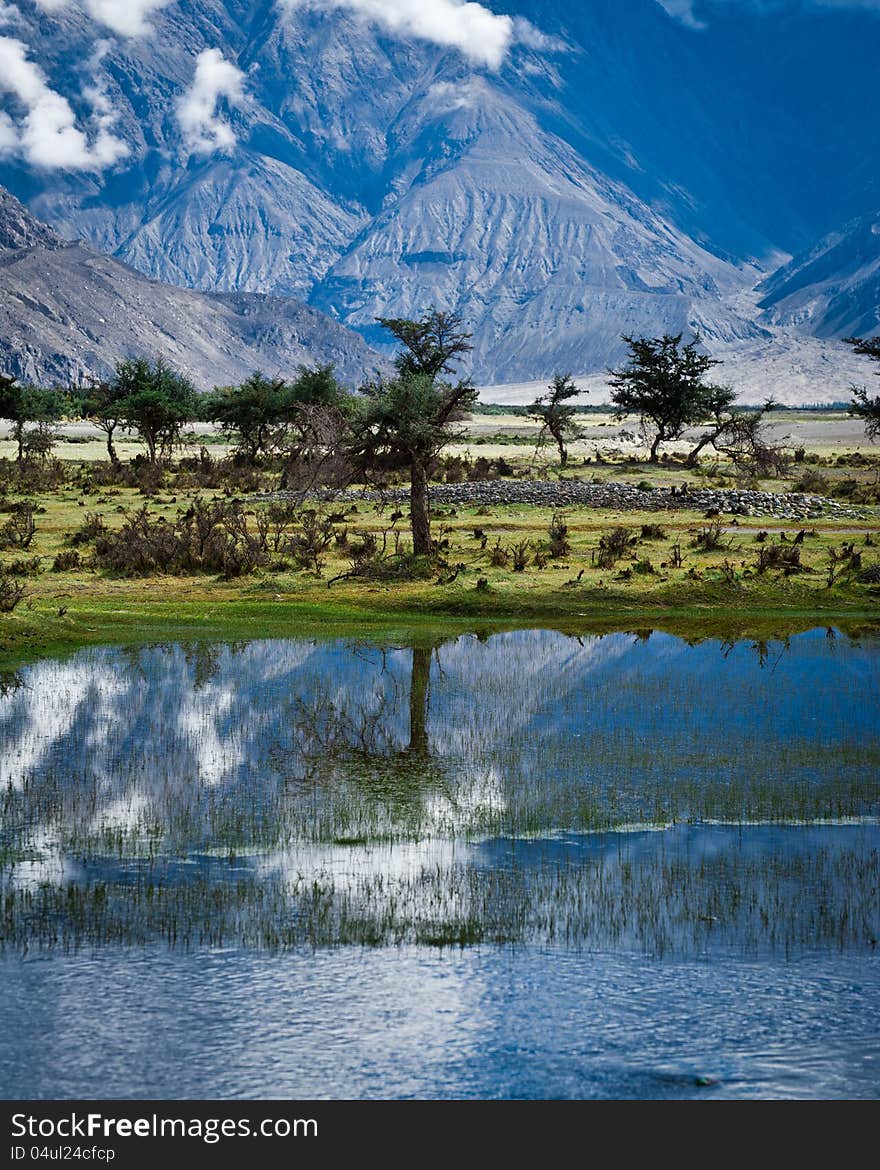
(418, 701)
(695, 454)
(653, 457)
(18, 431)
(420, 509)
(111, 450)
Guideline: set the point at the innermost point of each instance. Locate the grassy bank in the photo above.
(162, 610)
(499, 565)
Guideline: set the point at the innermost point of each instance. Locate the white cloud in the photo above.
(129, 18)
(461, 96)
(9, 14)
(525, 33)
(204, 130)
(695, 13)
(48, 135)
(481, 35)
(8, 136)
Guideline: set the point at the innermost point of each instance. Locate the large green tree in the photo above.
(413, 416)
(864, 406)
(556, 414)
(255, 414)
(156, 402)
(664, 384)
(32, 411)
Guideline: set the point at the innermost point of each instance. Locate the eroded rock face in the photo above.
(19, 229)
(595, 184)
(68, 314)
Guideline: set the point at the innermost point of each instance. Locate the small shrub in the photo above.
(499, 557)
(811, 482)
(11, 593)
(91, 529)
(612, 546)
(207, 538)
(653, 532)
(20, 529)
(780, 556)
(25, 567)
(521, 554)
(710, 538)
(560, 546)
(313, 537)
(67, 562)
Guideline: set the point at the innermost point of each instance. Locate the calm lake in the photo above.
(519, 864)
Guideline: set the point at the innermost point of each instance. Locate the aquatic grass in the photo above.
(320, 793)
(739, 897)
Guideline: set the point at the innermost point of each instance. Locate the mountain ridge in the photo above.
(618, 172)
(68, 314)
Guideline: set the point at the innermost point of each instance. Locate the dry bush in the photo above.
(67, 562)
(91, 529)
(710, 538)
(521, 554)
(12, 593)
(560, 545)
(206, 538)
(24, 567)
(20, 529)
(786, 557)
(612, 546)
(499, 557)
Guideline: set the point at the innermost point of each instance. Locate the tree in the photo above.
(412, 417)
(30, 405)
(156, 402)
(555, 416)
(663, 384)
(741, 434)
(736, 432)
(102, 405)
(863, 405)
(255, 415)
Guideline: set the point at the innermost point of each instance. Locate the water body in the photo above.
(519, 865)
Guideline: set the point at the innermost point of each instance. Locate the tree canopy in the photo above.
(156, 402)
(556, 415)
(664, 384)
(864, 406)
(33, 406)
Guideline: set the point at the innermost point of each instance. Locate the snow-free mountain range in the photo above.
(561, 174)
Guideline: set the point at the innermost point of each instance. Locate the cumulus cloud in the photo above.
(9, 14)
(47, 135)
(205, 131)
(480, 34)
(695, 13)
(129, 18)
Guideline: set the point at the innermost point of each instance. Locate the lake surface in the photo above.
(516, 865)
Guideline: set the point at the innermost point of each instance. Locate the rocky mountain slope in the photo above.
(833, 289)
(68, 313)
(612, 169)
